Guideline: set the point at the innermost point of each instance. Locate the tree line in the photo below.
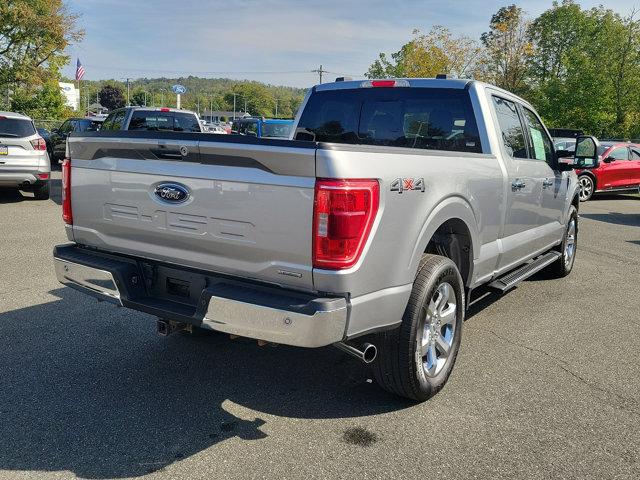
(215, 94)
(578, 67)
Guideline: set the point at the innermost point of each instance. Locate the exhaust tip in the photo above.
(369, 353)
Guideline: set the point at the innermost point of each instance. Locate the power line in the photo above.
(217, 72)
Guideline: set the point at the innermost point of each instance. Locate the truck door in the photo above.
(554, 184)
(519, 235)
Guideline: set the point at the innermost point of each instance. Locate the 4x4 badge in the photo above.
(402, 184)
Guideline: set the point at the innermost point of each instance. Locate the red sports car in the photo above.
(618, 170)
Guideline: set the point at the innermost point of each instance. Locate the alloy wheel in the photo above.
(435, 342)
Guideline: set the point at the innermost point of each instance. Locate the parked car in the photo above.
(616, 170)
(368, 231)
(263, 127)
(46, 135)
(24, 161)
(59, 135)
(217, 129)
(153, 119)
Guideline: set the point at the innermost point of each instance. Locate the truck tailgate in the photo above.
(191, 199)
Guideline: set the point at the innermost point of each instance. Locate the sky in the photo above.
(273, 41)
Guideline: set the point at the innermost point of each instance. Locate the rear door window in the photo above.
(424, 118)
(16, 127)
(510, 127)
(540, 145)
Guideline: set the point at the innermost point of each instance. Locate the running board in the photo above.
(514, 277)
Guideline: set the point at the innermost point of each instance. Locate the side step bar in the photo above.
(514, 277)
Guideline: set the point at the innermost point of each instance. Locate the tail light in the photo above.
(344, 211)
(67, 214)
(39, 144)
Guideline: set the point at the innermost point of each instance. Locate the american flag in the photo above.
(79, 70)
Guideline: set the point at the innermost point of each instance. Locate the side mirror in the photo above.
(609, 160)
(586, 155)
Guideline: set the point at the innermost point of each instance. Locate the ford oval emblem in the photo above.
(172, 193)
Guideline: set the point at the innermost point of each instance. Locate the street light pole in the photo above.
(128, 102)
(234, 105)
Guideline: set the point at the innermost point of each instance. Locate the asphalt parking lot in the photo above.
(546, 385)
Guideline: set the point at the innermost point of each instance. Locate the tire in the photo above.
(587, 187)
(567, 248)
(400, 367)
(43, 192)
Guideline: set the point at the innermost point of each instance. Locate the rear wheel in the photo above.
(587, 187)
(416, 359)
(43, 192)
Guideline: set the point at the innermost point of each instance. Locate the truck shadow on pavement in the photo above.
(627, 219)
(90, 388)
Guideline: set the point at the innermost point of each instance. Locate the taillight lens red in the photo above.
(344, 211)
(67, 214)
(39, 144)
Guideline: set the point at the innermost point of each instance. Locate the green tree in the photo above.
(427, 55)
(257, 98)
(111, 97)
(43, 102)
(508, 49)
(33, 37)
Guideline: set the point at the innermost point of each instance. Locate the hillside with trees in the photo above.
(202, 94)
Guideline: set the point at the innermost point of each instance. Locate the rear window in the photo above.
(164, 121)
(16, 127)
(276, 130)
(88, 125)
(425, 118)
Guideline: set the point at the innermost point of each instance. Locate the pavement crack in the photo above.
(625, 403)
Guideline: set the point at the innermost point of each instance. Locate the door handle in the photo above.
(518, 184)
(547, 182)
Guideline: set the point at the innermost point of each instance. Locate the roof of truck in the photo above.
(458, 83)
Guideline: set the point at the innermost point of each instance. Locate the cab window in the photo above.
(540, 145)
(510, 127)
(114, 121)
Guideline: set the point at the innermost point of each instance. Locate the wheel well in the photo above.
(576, 201)
(452, 239)
(592, 176)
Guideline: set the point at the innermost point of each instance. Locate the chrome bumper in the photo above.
(317, 323)
(320, 328)
(98, 283)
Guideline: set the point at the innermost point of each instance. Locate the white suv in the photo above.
(24, 161)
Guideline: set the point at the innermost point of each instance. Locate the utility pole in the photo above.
(234, 105)
(319, 71)
(276, 107)
(245, 105)
(128, 102)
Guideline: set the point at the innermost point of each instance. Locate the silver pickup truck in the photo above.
(368, 229)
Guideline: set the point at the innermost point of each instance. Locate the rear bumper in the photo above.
(22, 176)
(226, 305)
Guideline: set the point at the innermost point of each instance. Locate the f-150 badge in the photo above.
(402, 184)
